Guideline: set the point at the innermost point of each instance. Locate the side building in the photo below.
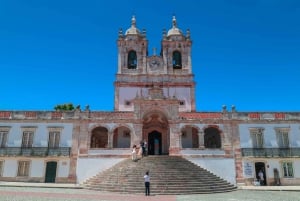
(35, 147)
(270, 142)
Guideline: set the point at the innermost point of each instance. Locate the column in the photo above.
(110, 139)
(201, 139)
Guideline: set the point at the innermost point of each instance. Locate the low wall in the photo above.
(222, 167)
(88, 167)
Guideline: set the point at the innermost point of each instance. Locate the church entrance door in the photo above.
(154, 143)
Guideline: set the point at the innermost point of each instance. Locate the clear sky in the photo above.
(245, 52)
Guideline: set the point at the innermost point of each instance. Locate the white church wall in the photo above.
(224, 168)
(88, 167)
(129, 93)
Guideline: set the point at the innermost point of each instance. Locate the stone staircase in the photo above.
(169, 175)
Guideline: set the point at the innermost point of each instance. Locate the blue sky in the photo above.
(245, 53)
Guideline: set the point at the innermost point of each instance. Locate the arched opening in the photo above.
(189, 137)
(212, 138)
(99, 138)
(132, 60)
(176, 60)
(154, 143)
(121, 137)
(156, 131)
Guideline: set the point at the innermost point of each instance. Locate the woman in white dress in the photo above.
(133, 153)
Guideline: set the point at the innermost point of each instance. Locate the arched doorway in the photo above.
(156, 132)
(154, 143)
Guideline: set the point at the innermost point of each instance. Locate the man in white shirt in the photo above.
(147, 183)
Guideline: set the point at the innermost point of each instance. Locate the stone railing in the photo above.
(87, 114)
(270, 152)
(63, 115)
(35, 151)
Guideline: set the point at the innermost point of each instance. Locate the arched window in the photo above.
(132, 60)
(99, 138)
(212, 138)
(176, 59)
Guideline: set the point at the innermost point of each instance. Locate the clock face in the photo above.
(154, 64)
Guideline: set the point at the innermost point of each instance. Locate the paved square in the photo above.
(64, 194)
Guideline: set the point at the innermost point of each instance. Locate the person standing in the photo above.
(141, 154)
(261, 177)
(145, 148)
(147, 183)
(133, 153)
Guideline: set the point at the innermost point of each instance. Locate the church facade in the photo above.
(154, 101)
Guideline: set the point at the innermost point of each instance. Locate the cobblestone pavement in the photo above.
(63, 194)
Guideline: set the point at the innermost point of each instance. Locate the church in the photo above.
(154, 101)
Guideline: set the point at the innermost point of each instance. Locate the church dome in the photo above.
(132, 30)
(174, 30)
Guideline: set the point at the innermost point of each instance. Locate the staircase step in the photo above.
(169, 175)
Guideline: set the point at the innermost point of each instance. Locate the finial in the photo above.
(224, 108)
(133, 21)
(144, 32)
(233, 108)
(174, 22)
(188, 33)
(120, 32)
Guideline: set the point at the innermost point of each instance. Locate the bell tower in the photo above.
(132, 50)
(176, 50)
(139, 73)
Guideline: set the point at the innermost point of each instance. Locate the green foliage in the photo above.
(64, 107)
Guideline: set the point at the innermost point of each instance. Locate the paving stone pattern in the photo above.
(62, 194)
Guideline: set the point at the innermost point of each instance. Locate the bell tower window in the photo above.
(132, 60)
(176, 59)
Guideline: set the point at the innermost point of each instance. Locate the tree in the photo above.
(64, 107)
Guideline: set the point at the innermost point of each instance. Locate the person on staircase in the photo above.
(133, 153)
(141, 154)
(145, 148)
(147, 183)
